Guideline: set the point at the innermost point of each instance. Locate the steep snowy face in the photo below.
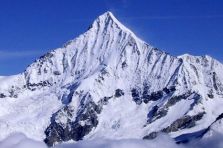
(108, 83)
(85, 55)
(203, 72)
(106, 45)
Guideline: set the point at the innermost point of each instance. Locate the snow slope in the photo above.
(108, 83)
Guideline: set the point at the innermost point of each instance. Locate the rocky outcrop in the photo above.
(2, 95)
(144, 95)
(184, 122)
(136, 95)
(64, 127)
(181, 123)
(119, 93)
(84, 122)
(151, 136)
(34, 86)
(158, 112)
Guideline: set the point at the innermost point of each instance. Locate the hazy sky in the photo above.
(29, 28)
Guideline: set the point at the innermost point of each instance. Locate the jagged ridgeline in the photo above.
(108, 83)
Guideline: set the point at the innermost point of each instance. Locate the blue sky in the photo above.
(29, 28)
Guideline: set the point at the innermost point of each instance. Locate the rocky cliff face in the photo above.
(108, 83)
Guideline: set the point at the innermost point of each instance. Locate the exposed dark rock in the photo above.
(58, 132)
(145, 94)
(124, 64)
(104, 71)
(185, 138)
(46, 56)
(84, 122)
(214, 81)
(210, 95)
(172, 88)
(156, 49)
(2, 95)
(145, 101)
(205, 61)
(104, 101)
(136, 96)
(169, 90)
(55, 133)
(119, 93)
(219, 117)
(166, 90)
(184, 122)
(151, 136)
(159, 114)
(156, 95)
(75, 129)
(13, 93)
(173, 100)
(180, 60)
(34, 86)
(56, 73)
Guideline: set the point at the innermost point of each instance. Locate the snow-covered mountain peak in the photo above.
(204, 60)
(106, 17)
(108, 20)
(105, 43)
(107, 80)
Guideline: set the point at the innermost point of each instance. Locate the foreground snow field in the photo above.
(109, 84)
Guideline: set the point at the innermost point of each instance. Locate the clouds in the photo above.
(161, 141)
(18, 54)
(19, 140)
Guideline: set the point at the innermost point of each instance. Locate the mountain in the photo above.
(108, 83)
